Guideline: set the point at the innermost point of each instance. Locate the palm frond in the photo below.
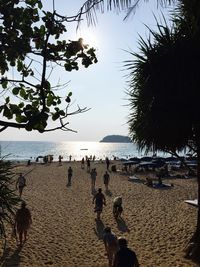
(129, 6)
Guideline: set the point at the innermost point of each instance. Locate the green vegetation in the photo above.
(8, 198)
(33, 42)
(164, 89)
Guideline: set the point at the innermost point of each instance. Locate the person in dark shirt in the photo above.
(107, 163)
(70, 173)
(106, 180)
(99, 200)
(125, 257)
(22, 223)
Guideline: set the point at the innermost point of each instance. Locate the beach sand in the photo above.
(157, 223)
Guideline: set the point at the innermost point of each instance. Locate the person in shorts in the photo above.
(20, 184)
(23, 222)
(93, 176)
(70, 173)
(99, 200)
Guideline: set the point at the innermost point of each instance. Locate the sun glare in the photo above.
(89, 38)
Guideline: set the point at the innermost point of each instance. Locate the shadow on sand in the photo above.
(69, 184)
(94, 191)
(108, 193)
(99, 229)
(12, 260)
(121, 224)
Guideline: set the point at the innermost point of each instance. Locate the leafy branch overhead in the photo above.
(33, 43)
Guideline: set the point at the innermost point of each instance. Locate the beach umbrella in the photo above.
(164, 87)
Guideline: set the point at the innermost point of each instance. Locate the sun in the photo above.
(89, 37)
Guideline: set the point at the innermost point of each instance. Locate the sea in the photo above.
(29, 150)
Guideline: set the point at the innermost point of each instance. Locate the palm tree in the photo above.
(129, 6)
(164, 89)
(8, 198)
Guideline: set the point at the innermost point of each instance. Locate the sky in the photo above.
(101, 87)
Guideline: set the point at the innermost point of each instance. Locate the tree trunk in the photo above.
(193, 249)
(198, 181)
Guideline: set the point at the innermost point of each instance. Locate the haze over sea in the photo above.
(24, 150)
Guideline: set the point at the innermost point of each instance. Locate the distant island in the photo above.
(116, 139)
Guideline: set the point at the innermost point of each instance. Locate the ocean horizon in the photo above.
(30, 150)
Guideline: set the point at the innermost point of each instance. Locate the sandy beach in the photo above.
(157, 223)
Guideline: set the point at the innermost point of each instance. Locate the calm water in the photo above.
(21, 150)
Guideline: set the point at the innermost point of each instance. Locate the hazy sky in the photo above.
(102, 86)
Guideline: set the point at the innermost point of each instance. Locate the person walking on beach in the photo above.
(70, 173)
(111, 244)
(99, 200)
(125, 257)
(83, 163)
(88, 165)
(22, 223)
(93, 175)
(20, 184)
(107, 163)
(117, 207)
(106, 180)
(60, 159)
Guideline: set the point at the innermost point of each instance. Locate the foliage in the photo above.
(33, 43)
(164, 92)
(91, 6)
(8, 198)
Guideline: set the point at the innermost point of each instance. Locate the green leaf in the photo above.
(15, 90)
(47, 85)
(4, 84)
(7, 100)
(22, 93)
(55, 116)
(7, 113)
(62, 113)
(70, 94)
(21, 105)
(40, 5)
(21, 119)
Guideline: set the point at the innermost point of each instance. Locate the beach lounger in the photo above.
(134, 179)
(162, 186)
(193, 202)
